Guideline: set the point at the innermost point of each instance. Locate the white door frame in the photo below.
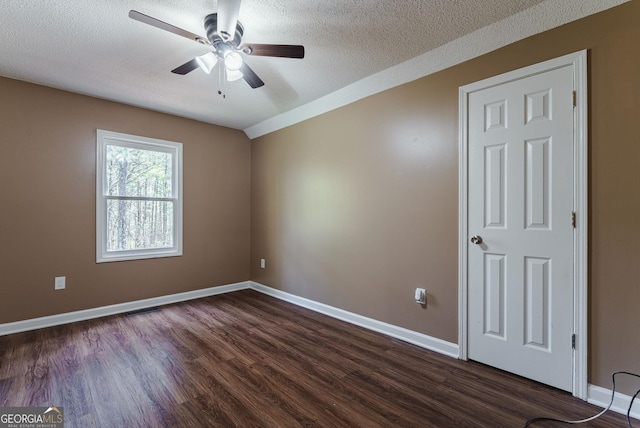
(578, 61)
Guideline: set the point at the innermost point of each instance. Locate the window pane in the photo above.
(137, 172)
(137, 225)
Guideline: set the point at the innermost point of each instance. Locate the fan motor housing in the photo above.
(211, 27)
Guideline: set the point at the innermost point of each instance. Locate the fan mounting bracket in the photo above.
(216, 39)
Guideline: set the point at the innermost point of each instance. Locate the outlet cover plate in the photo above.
(60, 282)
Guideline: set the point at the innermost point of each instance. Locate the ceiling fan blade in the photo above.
(146, 19)
(250, 76)
(228, 18)
(187, 67)
(282, 51)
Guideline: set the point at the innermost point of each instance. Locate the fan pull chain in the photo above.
(221, 79)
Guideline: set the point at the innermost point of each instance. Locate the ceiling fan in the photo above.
(224, 37)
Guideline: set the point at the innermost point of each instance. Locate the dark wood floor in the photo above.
(247, 360)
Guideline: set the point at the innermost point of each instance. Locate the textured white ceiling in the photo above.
(92, 47)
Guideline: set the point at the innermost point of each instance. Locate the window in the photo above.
(138, 197)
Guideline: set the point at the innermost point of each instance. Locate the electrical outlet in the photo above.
(60, 283)
(421, 296)
(263, 263)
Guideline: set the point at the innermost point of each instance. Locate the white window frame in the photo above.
(106, 138)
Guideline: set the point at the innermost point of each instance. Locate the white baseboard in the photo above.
(69, 317)
(602, 397)
(596, 395)
(419, 339)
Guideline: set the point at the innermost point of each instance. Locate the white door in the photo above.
(520, 249)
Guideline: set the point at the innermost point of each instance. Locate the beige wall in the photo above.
(47, 213)
(357, 207)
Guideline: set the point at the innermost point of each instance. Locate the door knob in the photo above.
(476, 239)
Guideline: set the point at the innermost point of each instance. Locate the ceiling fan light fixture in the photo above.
(233, 61)
(207, 61)
(224, 38)
(233, 75)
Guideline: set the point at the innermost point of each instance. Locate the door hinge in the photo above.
(573, 219)
(575, 96)
(573, 341)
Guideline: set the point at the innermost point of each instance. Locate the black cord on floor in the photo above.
(581, 421)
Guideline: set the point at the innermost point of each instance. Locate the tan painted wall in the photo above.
(357, 207)
(47, 211)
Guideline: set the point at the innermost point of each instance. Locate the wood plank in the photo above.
(245, 359)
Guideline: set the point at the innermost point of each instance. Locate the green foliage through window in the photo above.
(135, 224)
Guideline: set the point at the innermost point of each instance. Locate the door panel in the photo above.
(520, 200)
